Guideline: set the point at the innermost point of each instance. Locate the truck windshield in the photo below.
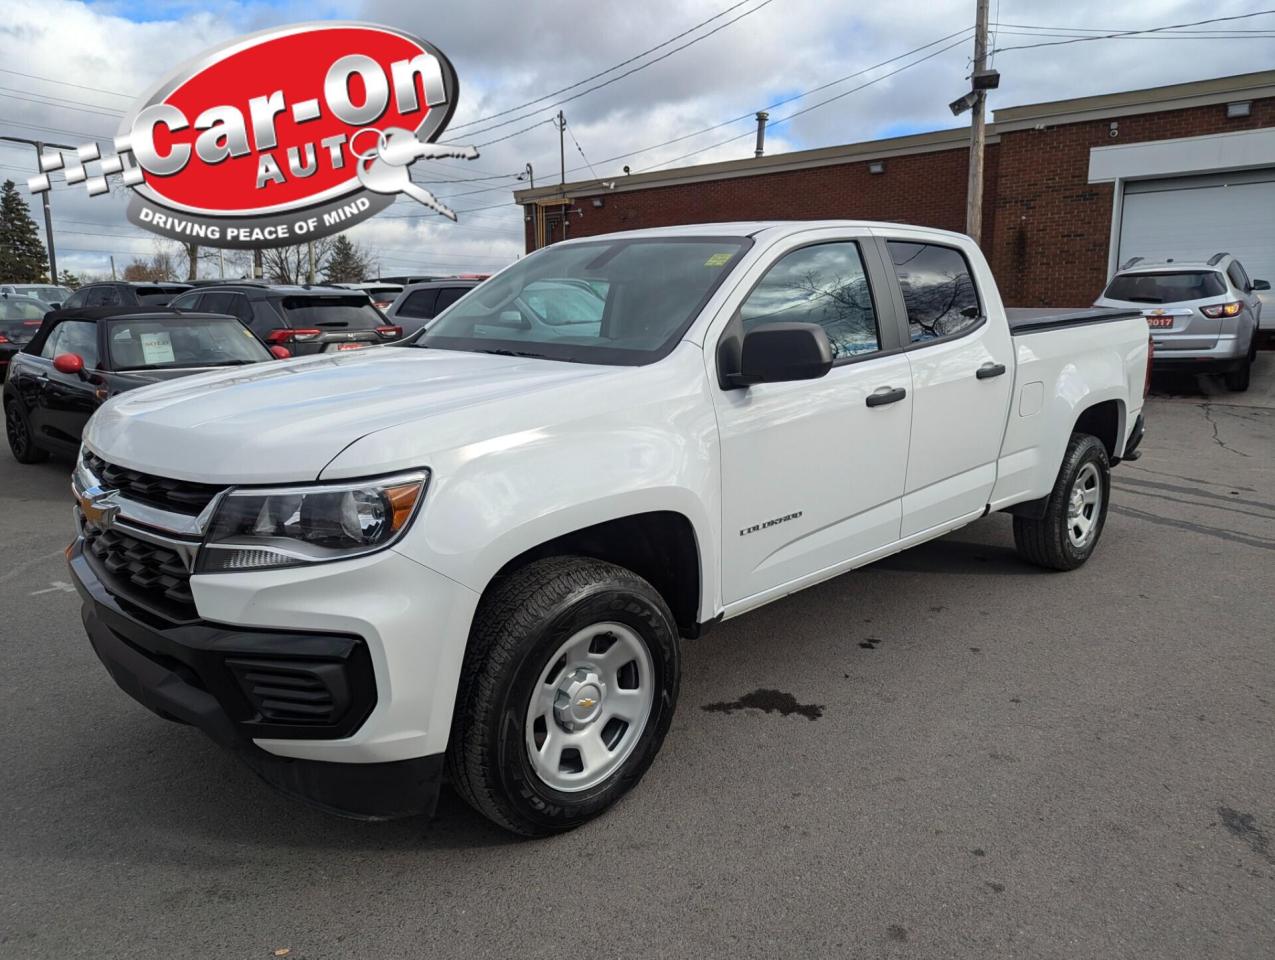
(148, 343)
(625, 301)
(1168, 287)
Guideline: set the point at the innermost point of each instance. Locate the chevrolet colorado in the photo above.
(475, 555)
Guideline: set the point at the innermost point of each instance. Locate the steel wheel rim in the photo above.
(589, 707)
(1084, 506)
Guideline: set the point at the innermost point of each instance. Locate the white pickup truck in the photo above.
(476, 555)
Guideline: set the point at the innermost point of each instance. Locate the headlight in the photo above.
(291, 526)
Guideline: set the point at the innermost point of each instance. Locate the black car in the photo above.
(304, 319)
(78, 359)
(20, 318)
(123, 293)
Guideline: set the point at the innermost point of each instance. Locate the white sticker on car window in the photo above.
(157, 347)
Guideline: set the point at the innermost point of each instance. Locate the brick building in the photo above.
(1072, 187)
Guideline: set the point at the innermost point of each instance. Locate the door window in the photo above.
(824, 284)
(76, 299)
(938, 290)
(187, 301)
(418, 305)
(234, 304)
(73, 336)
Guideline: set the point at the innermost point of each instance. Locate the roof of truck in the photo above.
(752, 228)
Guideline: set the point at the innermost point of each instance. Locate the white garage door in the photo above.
(1192, 218)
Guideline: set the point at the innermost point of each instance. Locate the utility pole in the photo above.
(112, 266)
(258, 268)
(762, 117)
(562, 151)
(974, 192)
(310, 253)
(44, 196)
(221, 263)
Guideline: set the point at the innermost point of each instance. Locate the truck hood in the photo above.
(285, 420)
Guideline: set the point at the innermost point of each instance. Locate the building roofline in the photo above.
(1245, 86)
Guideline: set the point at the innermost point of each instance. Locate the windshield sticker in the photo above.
(125, 334)
(718, 260)
(157, 348)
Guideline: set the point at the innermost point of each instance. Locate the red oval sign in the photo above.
(274, 122)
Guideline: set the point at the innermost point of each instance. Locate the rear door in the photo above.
(812, 473)
(962, 362)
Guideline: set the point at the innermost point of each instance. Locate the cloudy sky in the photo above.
(70, 69)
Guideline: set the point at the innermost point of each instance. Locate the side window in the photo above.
(75, 336)
(419, 305)
(824, 284)
(218, 303)
(187, 301)
(447, 296)
(1238, 276)
(53, 342)
(938, 289)
(75, 300)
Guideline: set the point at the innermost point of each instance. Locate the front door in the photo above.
(962, 378)
(812, 474)
(67, 400)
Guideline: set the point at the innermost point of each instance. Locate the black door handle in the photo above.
(989, 370)
(886, 395)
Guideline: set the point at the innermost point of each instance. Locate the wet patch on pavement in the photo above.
(768, 701)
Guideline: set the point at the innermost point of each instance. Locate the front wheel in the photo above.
(568, 688)
(1075, 513)
(21, 440)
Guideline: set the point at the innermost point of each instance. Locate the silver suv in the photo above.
(1203, 317)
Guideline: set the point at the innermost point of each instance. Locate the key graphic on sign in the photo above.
(385, 169)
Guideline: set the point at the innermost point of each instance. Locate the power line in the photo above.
(602, 73)
(627, 73)
(814, 106)
(580, 148)
(68, 83)
(1129, 33)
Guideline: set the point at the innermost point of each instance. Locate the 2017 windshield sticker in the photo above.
(718, 260)
(278, 138)
(769, 523)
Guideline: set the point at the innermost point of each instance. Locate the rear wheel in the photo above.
(21, 441)
(568, 688)
(1075, 513)
(1237, 380)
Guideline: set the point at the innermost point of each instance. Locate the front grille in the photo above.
(181, 496)
(151, 575)
(294, 692)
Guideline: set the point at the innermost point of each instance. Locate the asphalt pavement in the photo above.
(949, 754)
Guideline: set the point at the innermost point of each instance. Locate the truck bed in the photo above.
(1024, 320)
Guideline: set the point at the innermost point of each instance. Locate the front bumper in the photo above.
(244, 685)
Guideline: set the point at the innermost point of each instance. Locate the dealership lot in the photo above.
(947, 754)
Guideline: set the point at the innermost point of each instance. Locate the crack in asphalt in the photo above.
(1127, 482)
(1208, 415)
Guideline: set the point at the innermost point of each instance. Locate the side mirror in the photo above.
(56, 304)
(280, 353)
(779, 352)
(69, 363)
(1261, 284)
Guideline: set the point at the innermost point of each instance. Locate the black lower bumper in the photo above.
(237, 685)
(1171, 364)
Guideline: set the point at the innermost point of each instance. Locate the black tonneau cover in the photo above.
(1034, 319)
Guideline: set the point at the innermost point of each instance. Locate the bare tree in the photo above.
(292, 264)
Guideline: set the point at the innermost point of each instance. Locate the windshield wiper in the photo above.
(512, 353)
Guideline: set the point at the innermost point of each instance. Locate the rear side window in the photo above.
(354, 312)
(155, 296)
(418, 305)
(449, 295)
(824, 284)
(1170, 286)
(1238, 276)
(76, 299)
(938, 290)
(104, 296)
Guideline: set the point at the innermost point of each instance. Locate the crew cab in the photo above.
(477, 554)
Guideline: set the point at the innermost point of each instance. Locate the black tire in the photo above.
(1237, 380)
(21, 442)
(522, 621)
(1046, 542)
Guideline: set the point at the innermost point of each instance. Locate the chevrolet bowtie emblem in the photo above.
(99, 507)
(585, 702)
